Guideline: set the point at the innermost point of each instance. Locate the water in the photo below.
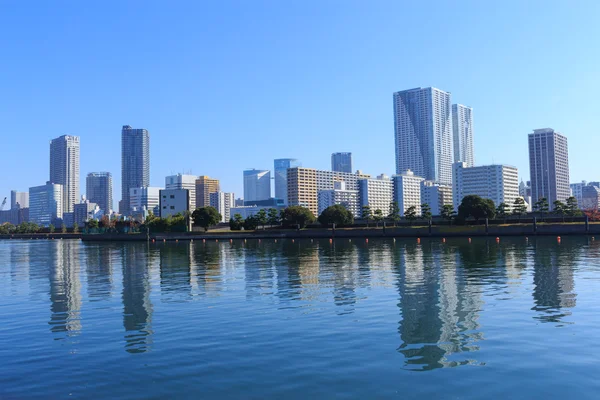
(300, 320)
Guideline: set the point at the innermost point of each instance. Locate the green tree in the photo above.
(261, 215)
(206, 217)
(63, 228)
(366, 214)
(560, 208)
(476, 207)
(411, 214)
(448, 212)
(75, 227)
(378, 216)
(425, 212)
(394, 213)
(92, 224)
(519, 207)
(273, 216)
(503, 210)
(541, 206)
(51, 228)
(236, 223)
(336, 214)
(297, 215)
(251, 223)
(572, 208)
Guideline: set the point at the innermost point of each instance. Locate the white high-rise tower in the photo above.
(462, 126)
(64, 169)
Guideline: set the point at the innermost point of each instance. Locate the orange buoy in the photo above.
(275, 240)
(152, 240)
(292, 240)
(443, 240)
(418, 240)
(176, 240)
(558, 238)
(593, 238)
(203, 240)
(330, 240)
(230, 240)
(164, 240)
(469, 240)
(217, 240)
(497, 239)
(367, 240)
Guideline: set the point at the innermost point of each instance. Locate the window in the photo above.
(172, 196)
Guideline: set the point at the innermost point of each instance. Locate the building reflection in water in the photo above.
(206, 268)
(65, 287)
(99, 270)
(137, 307)
(176, 272)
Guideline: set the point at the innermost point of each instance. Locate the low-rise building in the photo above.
(173, 202)
(407, 191)
(499, 183)
(223, 202)
(436, 195)
(339, 195)
(247, 211)
(144, 198)
(377, 193)
(45, 203)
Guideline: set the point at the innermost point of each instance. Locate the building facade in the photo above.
(19, 199)
(549, 166)
(205, 185)
(257, 185)
(144, 198)
(247, 211)
(187, 182)
(341, 162)
(173, 202)
(423, 133)
(135, 164)
(350, 199)
(590, 198)
(377, 193)
(436, 196)
(98, 189)
(302, 188)
(326, 179)
(45, 203)
(281, 166)
(462, 128)
(499, 183)
(407, 191)
(83, 212)
(577, 191)
(64, 168)
(223, 202)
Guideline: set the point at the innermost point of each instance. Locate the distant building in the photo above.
(341, 162)
(145, 198)
(205, 185)
(247, 211)
(187, 182)
(326, 179)
(273, 201)
(590, 198)
(83, 212)
(577, 191)
(45, 203)
(281, 166)
(14, 216)
(257, 185)
(377, 193)
(19, 199)
(339, 195)
(173, 202)
(436, 196)
(499, 183)
(239, 202)
(302, 188)
(549, 166)
(462, 127)
(135, 164)
(407, 191)
(64, 169)
(223, 202)
(98, 189)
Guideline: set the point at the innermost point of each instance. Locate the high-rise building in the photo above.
(281, 166)
(98, 189)
(135, 163)
(204, 187)
(45, 203)
(302, 188)
(462, 127)
(577, 191)
(407, 191)
(181, 181)
(64, 168)
(499, 183)
(341, 162)
(436, 196)
(590, 198)
(257, 185)
(223, 202)
(549, 166)
(145, 198)
(377, 193)
(340, 195)
(423, 133)
(19, 199)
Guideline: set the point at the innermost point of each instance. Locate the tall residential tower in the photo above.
(281, 166)
(135, 163)
(64, 169)
(98, 189)
(462, 127)
(341, 162)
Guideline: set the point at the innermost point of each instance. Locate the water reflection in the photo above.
(65, 287)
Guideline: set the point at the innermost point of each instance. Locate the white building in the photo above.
(145, 198)
(257, 185)
(462, 127)
(326, 179)
(180, 181)
(19, 199)
(64, 168)
(339, 195)
(223, 202)
(377, 193)
(407, 191)
(436, 196)
(45, 203)
(423, 133)
(577, 191)
(173, 202)
(499, 183)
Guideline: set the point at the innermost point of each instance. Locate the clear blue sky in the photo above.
(223, 86)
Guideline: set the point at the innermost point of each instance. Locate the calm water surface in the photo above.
(301, 320)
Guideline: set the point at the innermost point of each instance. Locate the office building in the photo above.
(223, 202)
(436, 196)
(377, 193)
(462, 127)
(135, 164)
(64, 169)
(19, 199)
(173, 202)
(407, 191)
(326, 179)
(549, 166)
(98, 190)
(45, 204)
(590, 198)
(577, 191)
(340, 195)
(83, 212)
(499, 183)
(281, 166)
(239, 202)
(145, 198)
(423, 133)
(205, 185)
(341, 162)
(14, 216)
(257, 185)
(302, 188)
(187, 182)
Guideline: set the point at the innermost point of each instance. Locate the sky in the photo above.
(230, 85)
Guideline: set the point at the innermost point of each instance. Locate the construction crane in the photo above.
(3, 204)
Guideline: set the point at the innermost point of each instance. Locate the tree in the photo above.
(394, 214)
(366, 214)
(476, 207)
(519, 207)
(92, 224)
(75, 227)
(236, 223)
(448, 212)
(560, 208)
(51, 228)
(426, 212)
(336, 214)
(297, 215)
(378, 216)
(261, 216)
(206, 216)
(572, 209)
(411, 214)
(541, 206)
(63, 228)
(503, 210)
(251, 223)
(273, 216)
